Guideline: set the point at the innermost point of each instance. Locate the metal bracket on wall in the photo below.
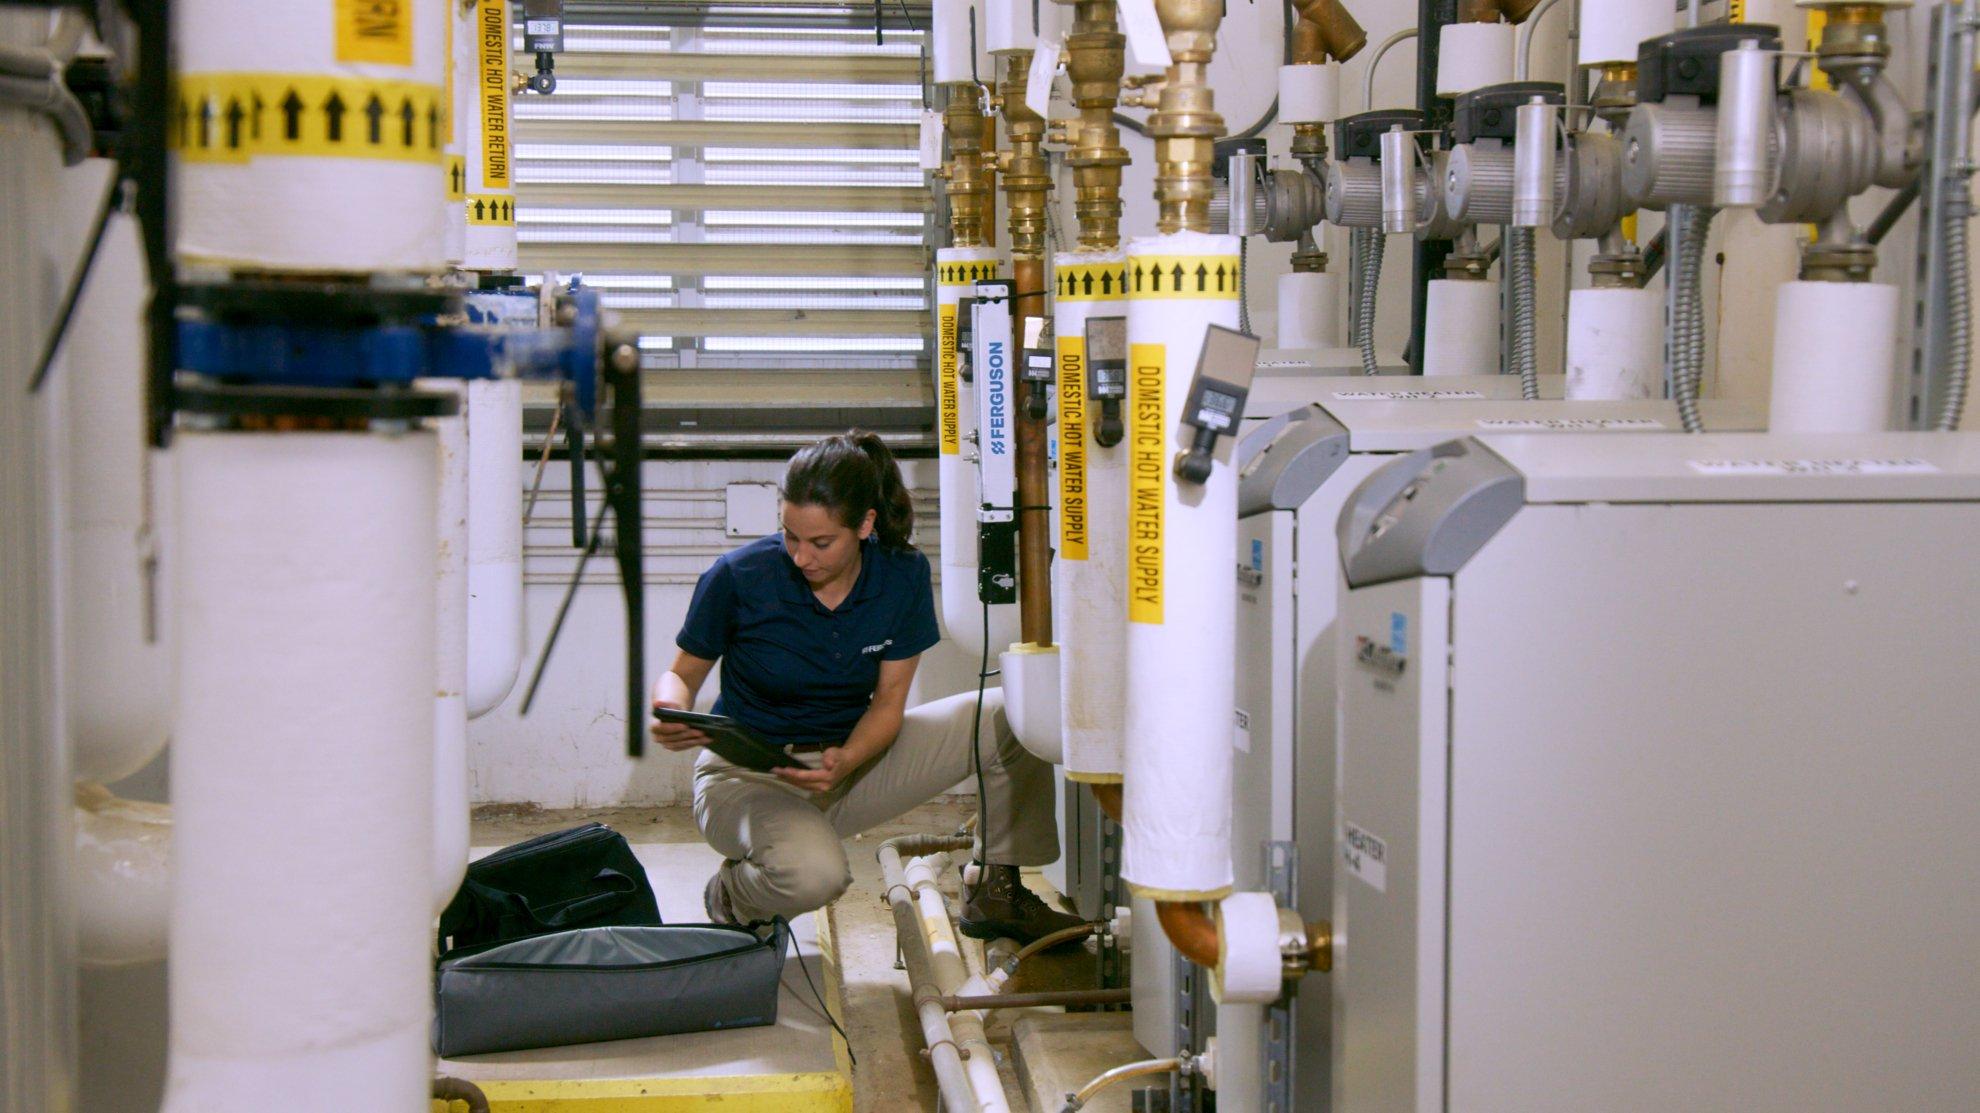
(1282, 878)
(1112, 973)
(1186, 1087)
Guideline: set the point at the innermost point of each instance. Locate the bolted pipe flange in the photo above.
(1623, 270)
(1823, 262)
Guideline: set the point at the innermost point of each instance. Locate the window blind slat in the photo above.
(727, 133)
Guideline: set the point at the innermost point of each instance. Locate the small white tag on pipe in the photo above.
(1038, 82)
(1144, 33)
(931, 139)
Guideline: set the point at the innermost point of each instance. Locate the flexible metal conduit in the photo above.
(1959, 316)
(1688, 311)
(1519, 266)
(1367, 247)
(965, 1071)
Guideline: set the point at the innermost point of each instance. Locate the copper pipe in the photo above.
(1190, 929)
(1034, 494)
(1037, 1000)
(1108, 796)
(1340, 37)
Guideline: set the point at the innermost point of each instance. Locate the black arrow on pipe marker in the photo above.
(333, 117)
(1107, 282)
(292, 106)
(407, 118)
(1177, 275)
(457, 177)
(374, 114)
(478, 210)
(433, 127)
(1203, 278)
(235, 114)
(209, 115)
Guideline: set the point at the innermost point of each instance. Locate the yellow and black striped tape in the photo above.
(966, 273)
(235, 117)
(1183, 276)
(1091, 281)
(491, 209)
(456, 178)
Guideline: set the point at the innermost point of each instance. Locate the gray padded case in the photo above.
(607, 983)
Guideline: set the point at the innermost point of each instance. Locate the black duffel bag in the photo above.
(583, 877)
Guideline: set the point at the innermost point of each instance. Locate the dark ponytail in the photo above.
(849, 475)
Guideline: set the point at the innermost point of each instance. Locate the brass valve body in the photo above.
(971, 179)
(1096, 56)
(1185, 124)
(1027, 177)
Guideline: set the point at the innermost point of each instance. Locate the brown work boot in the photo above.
(715, 899)
(999, 906)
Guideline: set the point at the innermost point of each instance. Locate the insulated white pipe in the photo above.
(1092, 557)
(1008, 24)
(957, 270)
(1615, 344)
(495, 625)
(256, 191)
(485, 118)
(450, 714)
(1835, 357)
(302, 773)
(123, 893)
(457, 93)
(1032, 703)
(117, 653)
(1182, 597)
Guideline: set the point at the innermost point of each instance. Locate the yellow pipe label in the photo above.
(492, 23)
(1091, 282)
(491, 209)
(1148, 473)
(1072, 448)
(375, 31)
(235, 117)
(949, 419)
(1213, 277)
(967, 272)
(456, 178)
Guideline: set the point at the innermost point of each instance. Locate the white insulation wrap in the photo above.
(1092, 560)
(1182, 596)
(450, 715)
(1474, 55)
(1250, 970)
(494, 542)
(957, 270)
(1461, 329)
(1008, 25)
(1031, 699)
(117, 644)
(951, 49)
(1309, 310)
(485, 118)
(304, 752)
(1615, 345)
(123, 874)
(1611, 30)
(1310, 93)
(309, 139)
(1835, 353)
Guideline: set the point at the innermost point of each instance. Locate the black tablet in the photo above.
(732, 741)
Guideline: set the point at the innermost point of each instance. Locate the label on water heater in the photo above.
(1365, 856)
(1814, 467)
(1569, 424)
(1405, 395)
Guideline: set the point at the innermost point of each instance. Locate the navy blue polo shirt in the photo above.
(793, 669)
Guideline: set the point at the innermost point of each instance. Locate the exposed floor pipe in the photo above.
(1043, 999)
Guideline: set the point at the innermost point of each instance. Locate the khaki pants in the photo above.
(783, 843)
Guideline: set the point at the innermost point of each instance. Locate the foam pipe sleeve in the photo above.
(1309, 310)
(1611, 30)
(481, 92)
(450, 713)
(957, 271)
(1835, 351)
(1008, 26)
(1462, 336)
(1182, 598)
(1615, 345)
(321, 203)
(1092, 558)
(1474, 55)
(1249, 968)
(1310, 93)
(494, 543)
(304, 751)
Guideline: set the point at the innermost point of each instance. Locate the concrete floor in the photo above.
(891, 1076)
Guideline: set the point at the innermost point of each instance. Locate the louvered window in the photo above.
(741, 182)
